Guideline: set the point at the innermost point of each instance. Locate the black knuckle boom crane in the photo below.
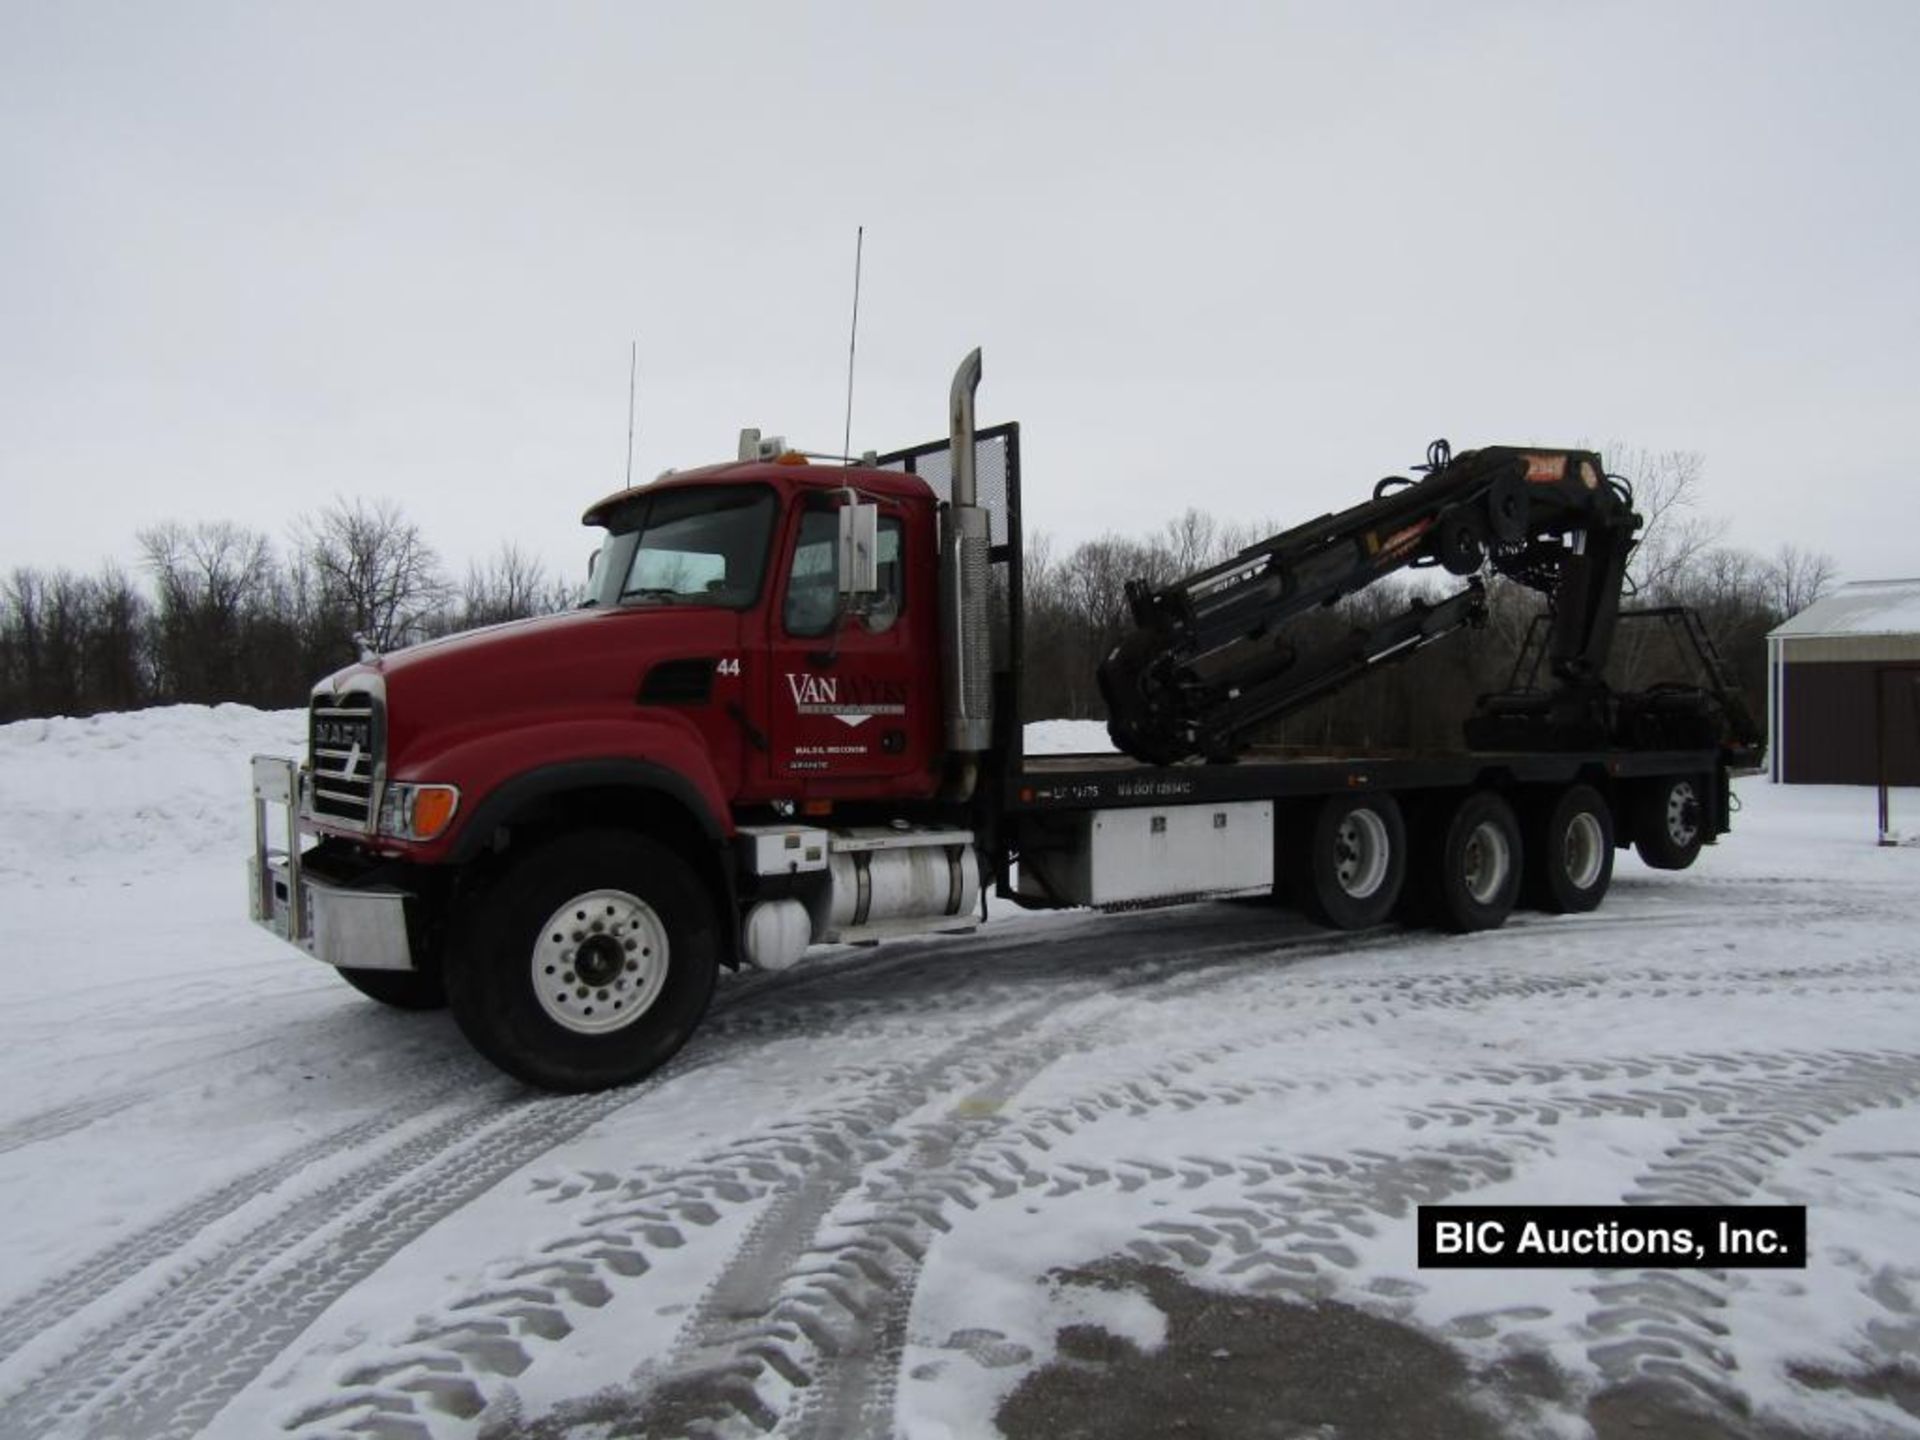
(1217, 654)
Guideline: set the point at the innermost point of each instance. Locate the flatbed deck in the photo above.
(1081, 782)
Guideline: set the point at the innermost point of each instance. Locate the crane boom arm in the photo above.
(1219, 652)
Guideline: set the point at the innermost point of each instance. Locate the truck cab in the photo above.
(736, 746)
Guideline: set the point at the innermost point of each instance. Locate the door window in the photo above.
(813, 582)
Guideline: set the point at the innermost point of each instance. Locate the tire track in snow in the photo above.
(244, 1279)
(112, 1361)
(168, 1365)
(800, 1169)
(456, 1364)
(817, 1353)
(1757, 1108)
(172, 1322)
(1283, 1232)
(61, 1120)
(1665, 1324)
(54, 1300)
(919, 984)
(969, 1161)
(431, 1375)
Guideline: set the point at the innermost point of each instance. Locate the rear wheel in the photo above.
(1469, 865)
(1669, 822)
(1570, 852)
(587, 963)
(402, 989)
(1354, 849)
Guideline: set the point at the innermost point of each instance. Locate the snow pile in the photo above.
(1068, 737)
(79, 796)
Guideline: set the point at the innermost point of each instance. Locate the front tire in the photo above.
(587, 963)
(402, 989)
(1570, 853)
(1670, 822)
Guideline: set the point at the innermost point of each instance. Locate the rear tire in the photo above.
(1469, 865)
(402, 989)
(1354, 849)
(1670, 821)
(1570, 853)
(587, 963)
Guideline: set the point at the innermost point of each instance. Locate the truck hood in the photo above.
(579, 664)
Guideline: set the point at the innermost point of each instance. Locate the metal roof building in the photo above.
(1843, 688)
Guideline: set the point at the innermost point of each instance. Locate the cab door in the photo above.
(847, 714)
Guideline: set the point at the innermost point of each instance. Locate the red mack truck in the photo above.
(786, 714)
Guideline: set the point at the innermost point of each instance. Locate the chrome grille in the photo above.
(343, 758)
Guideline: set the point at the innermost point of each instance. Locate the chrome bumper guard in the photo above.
(363, 928)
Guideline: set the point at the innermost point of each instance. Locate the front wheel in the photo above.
(1669, 823)
(587, 963)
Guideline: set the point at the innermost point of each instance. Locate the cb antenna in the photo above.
(853, 336)
(633, 372)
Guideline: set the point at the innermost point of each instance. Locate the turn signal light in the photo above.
(418, 812)
(433, 807)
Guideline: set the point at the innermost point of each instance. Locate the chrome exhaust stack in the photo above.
(965, 571)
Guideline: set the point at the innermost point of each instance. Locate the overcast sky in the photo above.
(1248, 257)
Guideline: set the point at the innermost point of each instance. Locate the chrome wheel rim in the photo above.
(600, 962)
(1487, 859)
(1683, 809)
(1585, 850)
(1361, 853)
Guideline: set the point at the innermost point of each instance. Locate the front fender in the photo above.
(499, 775)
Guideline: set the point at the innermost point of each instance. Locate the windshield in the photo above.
(705, 546)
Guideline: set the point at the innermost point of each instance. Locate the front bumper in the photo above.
(356, 927)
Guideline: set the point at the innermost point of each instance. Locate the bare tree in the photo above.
(510, 586)
(1191, 542)
(211, 579)
(1666, 492)
(376, 575)
(23, 661)
(113, 659)
(1795, 578)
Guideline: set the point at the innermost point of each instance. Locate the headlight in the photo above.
(417, 812)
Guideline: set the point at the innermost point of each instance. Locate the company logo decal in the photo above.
(850, 699)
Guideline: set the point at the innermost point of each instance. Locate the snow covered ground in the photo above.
(244, 1201)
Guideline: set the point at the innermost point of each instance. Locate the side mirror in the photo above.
(859, 548)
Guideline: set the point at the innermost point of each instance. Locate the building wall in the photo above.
(1841, 649)
(1828, 715)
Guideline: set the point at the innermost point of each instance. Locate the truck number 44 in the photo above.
(730, 666)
